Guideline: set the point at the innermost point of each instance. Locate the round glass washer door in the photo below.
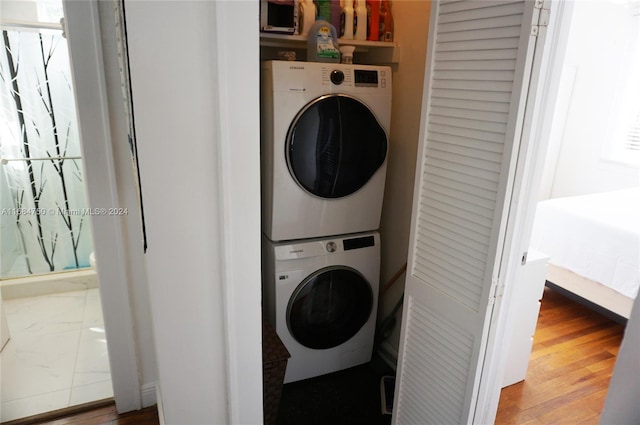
(334, 146)
(329, 307)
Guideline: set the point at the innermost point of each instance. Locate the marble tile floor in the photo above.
(57, 354)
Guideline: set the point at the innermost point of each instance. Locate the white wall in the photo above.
(196, 108)
(172, 85)
(411, 20)
(599, 56)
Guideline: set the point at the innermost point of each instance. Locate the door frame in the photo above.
(82, 24)
(539, 110)
(531, 158)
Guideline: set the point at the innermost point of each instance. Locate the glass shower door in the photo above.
(44, 217)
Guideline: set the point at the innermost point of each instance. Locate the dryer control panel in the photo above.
(357, 243)
(365, 78)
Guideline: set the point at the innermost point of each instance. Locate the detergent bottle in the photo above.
(322, 43)
(308, 10)
(373, 8)
(347, 19)
(361, 20)
(386, 21)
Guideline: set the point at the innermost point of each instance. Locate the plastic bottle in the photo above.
(322, 43)
(336, 11)
(347, 54)
(308, 10)
(373, 8)
(360, 31)
(329, 10)
(347, 19)
(386, 21)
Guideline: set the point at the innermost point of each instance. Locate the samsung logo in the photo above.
(296, 251)
(296, 67)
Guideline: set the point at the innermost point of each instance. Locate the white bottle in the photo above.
(347, 11)
(308, 10)
(361, 16)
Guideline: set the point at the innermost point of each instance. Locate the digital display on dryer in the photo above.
(366, 78)
(357, 243)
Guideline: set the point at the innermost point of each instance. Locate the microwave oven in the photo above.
(279, 16)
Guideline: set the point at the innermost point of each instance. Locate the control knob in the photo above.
(337, 77)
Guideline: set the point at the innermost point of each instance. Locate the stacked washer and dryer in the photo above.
(324, 148)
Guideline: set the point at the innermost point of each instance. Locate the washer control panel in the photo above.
(319, 247)
(310, 77)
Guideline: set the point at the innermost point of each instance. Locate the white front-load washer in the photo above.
(321, 296)
(324, 139)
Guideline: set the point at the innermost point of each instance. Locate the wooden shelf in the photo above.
(367, 52)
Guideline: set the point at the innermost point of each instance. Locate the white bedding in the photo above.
(596, 236)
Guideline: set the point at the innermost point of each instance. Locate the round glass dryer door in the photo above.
(329, 307)
(334, 145)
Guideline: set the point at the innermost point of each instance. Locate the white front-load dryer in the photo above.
(324, 140)
(321, 296)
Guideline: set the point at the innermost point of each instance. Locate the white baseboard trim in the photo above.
(148, 394)
(33, 286)
(388, 353)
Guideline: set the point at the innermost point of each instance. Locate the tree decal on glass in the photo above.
(40, 153)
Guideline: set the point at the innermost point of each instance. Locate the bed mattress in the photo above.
(596, 236)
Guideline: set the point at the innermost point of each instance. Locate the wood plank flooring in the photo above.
(104, 414)
(573, 355)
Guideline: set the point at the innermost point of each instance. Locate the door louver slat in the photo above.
(465, 113)
(481, 34)
(463, 46)
(480, 65)
(477, 85)
(466, 228)
(461, 169)
(447, 137)
(463, 160)
(461, 5)
(473, 134)
(469, 152)
(460, 95)
(455, 184)
(465, 201)
(479, 55)
(479, 13)
(438, 250)
(489, 23)
(470, 105)
(456, 239)
(473, 182)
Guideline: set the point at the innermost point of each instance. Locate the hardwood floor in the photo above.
(104, 413)
(573, 355)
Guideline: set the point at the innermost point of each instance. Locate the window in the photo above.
(626, 146)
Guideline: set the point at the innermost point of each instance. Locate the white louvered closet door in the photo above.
(478, 68)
